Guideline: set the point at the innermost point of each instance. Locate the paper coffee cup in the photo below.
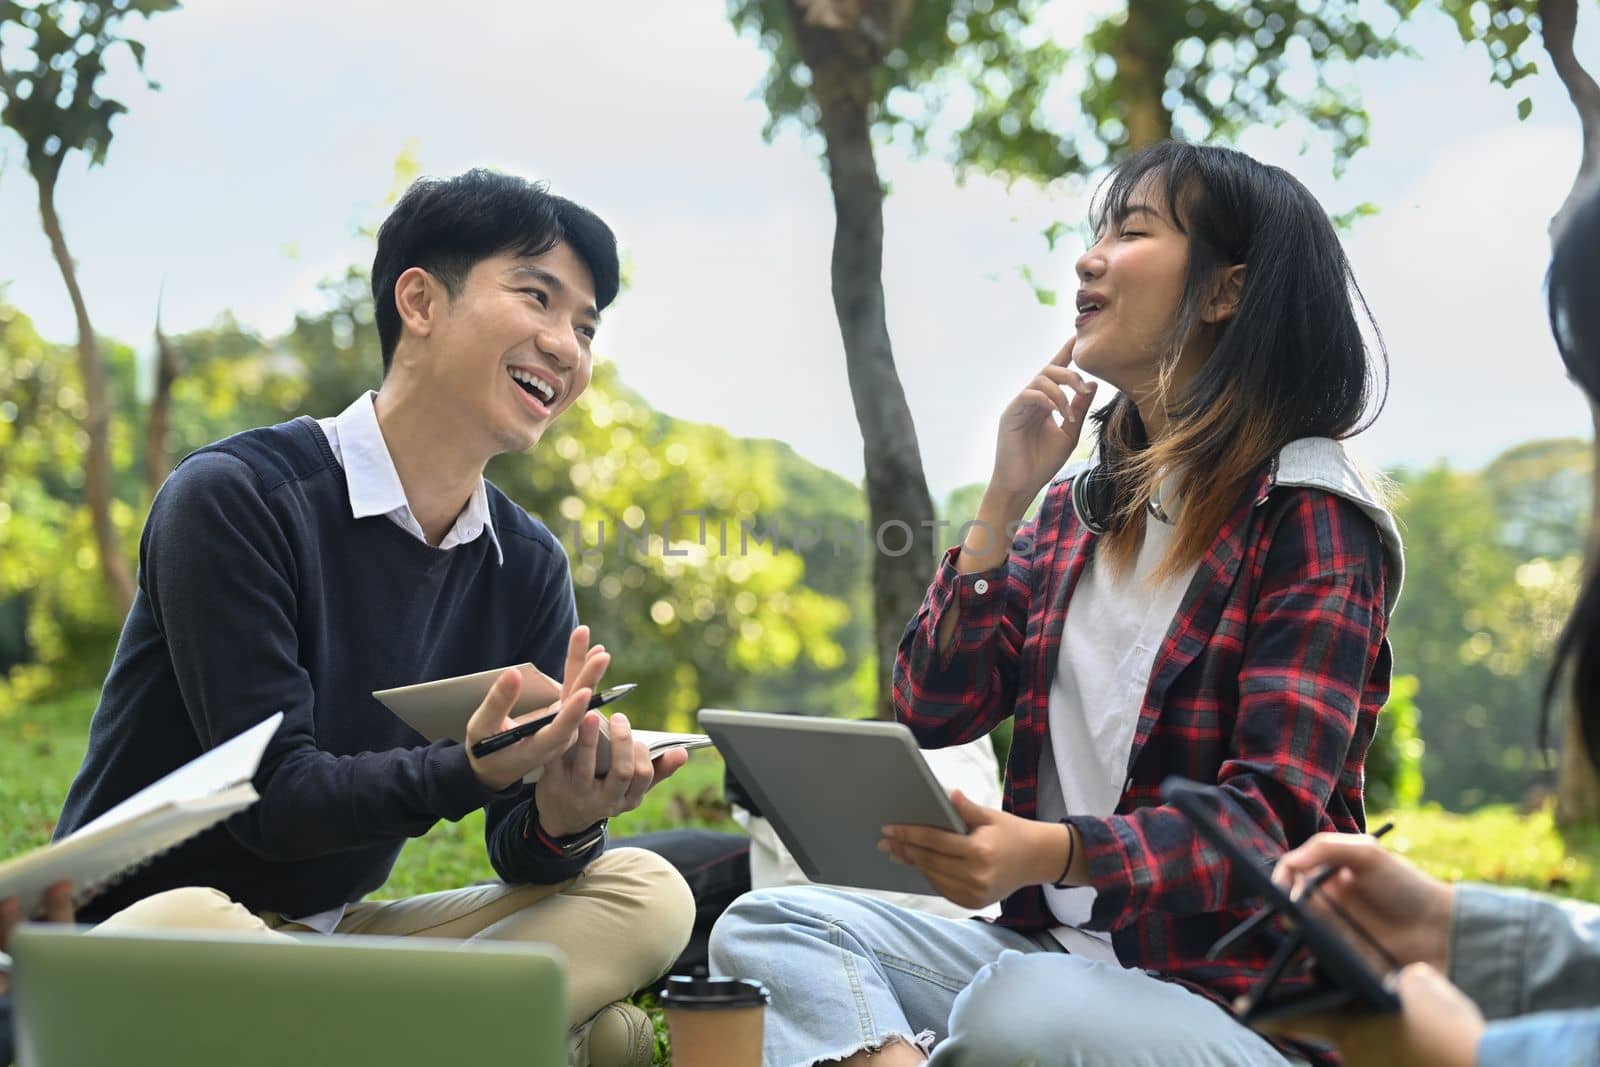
(714, 1022)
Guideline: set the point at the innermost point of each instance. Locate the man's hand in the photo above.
(499, 770)
(1437, 1027)
(571, 798)
(57, 909)
(1404, 910)
(999, 854)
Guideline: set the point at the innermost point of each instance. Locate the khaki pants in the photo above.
(620, 923)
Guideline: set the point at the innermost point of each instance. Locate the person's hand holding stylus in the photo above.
(530, 726)
(1403, 909)
(1408, 913)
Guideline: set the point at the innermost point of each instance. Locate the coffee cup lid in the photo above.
(699, 993)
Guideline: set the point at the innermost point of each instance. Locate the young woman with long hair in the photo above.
(1210, 598)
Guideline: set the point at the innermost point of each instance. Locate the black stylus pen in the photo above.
(505, 739)
(1318, 877)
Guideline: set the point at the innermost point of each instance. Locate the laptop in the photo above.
(164, 998)
(829, 786)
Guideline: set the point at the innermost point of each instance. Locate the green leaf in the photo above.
(1344, 221)
(1053, 233)
(1043, 295)
(1524, 107)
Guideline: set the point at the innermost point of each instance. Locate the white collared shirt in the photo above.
(375, 488)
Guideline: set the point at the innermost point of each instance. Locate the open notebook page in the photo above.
(231, 763)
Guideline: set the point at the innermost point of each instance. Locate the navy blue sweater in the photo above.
(258, 592)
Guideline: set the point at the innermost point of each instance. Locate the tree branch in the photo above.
(1558, 20)
(98, 486)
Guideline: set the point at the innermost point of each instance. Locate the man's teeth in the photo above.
(1082, 308)
(536, 383)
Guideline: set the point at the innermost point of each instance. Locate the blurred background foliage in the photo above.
(1493, 555)
(770, 605)
(753, 624)
(1492, 560)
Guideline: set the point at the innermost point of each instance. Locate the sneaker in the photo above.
(619, 1035)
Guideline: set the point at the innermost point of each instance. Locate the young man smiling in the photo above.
(300, 567)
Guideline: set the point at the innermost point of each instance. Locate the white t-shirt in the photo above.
(1114, 627)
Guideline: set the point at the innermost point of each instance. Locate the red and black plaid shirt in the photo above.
(1268, 684)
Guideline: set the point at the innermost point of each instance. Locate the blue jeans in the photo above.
(849, 972)
(1549, 1038)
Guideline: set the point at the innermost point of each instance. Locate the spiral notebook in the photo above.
(161, 816)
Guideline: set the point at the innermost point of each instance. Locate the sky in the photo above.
(247, 177)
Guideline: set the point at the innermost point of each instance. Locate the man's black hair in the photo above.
(447, 226)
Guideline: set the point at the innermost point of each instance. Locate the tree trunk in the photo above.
(843, 61)
(97, 488)
(1558, 20)
(900, 510)
(157, 461)
(1577, 785)
(1142, 53)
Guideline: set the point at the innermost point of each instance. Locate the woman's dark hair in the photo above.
(447, 226)
(1574, 293)
(1289, 363)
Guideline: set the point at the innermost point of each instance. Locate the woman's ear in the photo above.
(1225, 299)
(416, 300)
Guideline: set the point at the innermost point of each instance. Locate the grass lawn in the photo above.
(1499, 845)
(40, 750)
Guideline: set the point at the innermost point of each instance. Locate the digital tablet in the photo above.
(830, 786)
(440, 709)
(1342, 979)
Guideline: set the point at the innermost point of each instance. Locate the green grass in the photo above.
(40, 750)
(1499, 845)
(41, 747)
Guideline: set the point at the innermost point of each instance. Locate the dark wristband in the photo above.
(1072, 854)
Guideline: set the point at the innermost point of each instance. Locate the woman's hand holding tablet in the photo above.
(999, 854)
